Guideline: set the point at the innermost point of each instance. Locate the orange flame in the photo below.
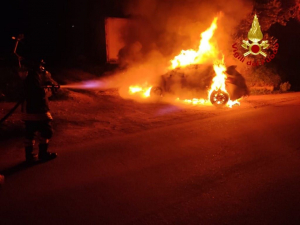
(217, 84)
(220, 78)
(141, 91)
(205, 50)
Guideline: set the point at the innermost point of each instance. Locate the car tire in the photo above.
(219, 98)
(156, 92)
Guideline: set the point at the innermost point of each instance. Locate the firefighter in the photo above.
(36, 113)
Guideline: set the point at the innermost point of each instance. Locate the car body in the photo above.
(195, 81)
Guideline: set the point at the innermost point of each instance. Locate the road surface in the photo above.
(241, 167)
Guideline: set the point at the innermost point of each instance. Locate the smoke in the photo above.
(169, 26)
(160, 29)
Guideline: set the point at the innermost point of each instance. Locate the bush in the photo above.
(261, 90)
(284, 87)
(262, 76)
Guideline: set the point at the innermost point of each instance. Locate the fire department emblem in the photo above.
(255, 36)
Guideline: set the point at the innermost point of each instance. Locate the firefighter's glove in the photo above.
(53, 87)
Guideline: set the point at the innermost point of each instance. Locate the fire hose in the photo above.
(11, 111)
(54, 88)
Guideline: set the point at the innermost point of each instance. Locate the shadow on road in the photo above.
(22, 166)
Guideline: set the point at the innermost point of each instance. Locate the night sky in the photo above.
(58, 30)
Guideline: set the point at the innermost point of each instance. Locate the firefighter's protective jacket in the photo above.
(36, 105)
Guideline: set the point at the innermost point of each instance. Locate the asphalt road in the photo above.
(238, 168)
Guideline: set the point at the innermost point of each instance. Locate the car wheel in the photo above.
(219, 98)
(156, 92)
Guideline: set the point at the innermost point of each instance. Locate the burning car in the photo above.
(196, 82)
(198, 76)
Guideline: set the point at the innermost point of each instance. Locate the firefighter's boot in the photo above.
(44, 155)
(29, 155)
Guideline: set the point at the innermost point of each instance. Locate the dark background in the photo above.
(58, 31)
(73, 32)
(287, 61)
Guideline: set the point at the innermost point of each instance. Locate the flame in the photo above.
(218, 84)
(220, 78)
(196, 101)
(205, 50)
(135, 89)
(231, 103)
(139, 90)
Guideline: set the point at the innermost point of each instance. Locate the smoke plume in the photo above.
(169, 26)
(160, 29)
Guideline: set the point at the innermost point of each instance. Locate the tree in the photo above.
(296, 10)
(269, 12)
